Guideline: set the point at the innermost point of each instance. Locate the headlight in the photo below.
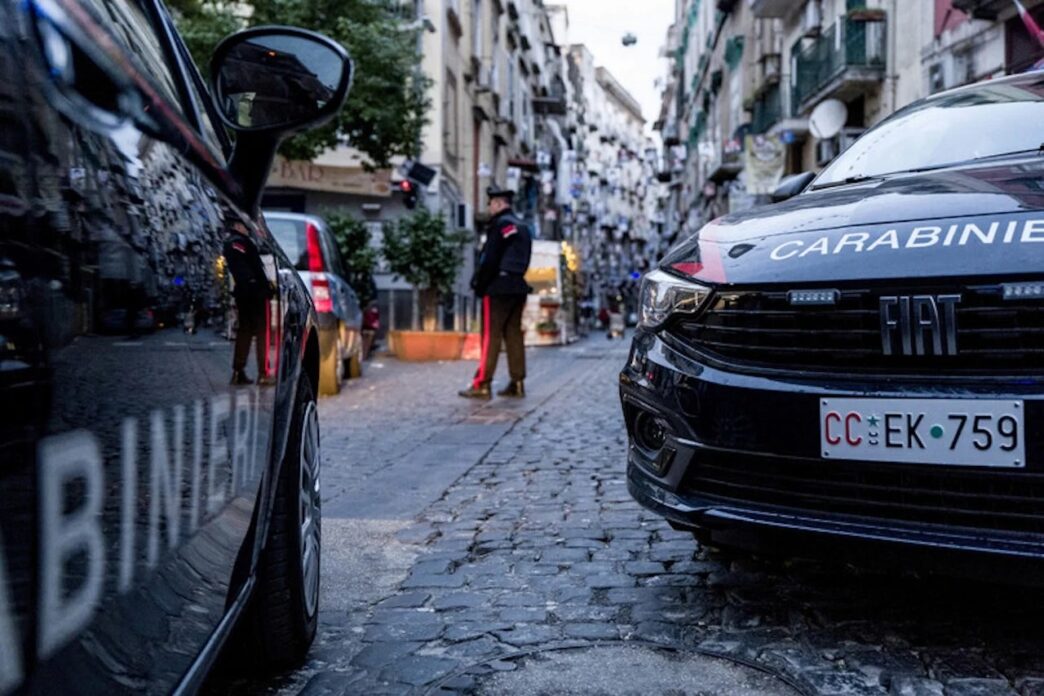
(663, 295)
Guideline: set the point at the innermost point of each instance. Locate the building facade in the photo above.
(744, 79)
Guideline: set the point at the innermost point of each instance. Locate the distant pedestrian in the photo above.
(500, 282)
(251, 292)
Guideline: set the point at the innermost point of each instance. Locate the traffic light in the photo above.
(409, 193)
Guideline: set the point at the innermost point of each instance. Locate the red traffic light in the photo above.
(406, 186)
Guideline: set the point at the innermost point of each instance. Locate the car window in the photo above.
(949, 129)
(129, 22)
(335, 263)
(290, 235)
(209, 124)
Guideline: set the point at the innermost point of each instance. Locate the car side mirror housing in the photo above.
(792, 185)
(269, 83)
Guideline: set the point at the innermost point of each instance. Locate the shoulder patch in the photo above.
(509, 230)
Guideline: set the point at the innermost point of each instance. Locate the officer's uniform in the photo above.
(251, 293)
(500, 282)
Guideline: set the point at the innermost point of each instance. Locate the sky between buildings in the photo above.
(601, 24)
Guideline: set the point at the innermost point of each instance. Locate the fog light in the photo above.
(650, 432)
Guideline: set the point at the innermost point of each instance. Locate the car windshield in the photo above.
(977, 123)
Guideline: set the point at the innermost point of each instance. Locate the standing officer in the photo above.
(500, 282)
(252, 292)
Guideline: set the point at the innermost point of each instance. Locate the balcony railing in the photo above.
(768, 109)
(847, 44)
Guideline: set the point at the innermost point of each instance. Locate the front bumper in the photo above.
(741, 453)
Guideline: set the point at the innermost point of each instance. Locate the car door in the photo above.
(130, 468)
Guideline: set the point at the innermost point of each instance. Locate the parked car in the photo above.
(147, 506)
(308, 242)
(861, 364)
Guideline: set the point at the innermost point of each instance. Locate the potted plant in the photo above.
(423, 251)
(548, 328)
(360, 260)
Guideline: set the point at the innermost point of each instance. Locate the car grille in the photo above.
(994, 335)
(973, 499)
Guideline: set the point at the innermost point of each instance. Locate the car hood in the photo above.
(983, 220)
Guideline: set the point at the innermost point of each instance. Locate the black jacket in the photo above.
(505, 257)
(244, 263)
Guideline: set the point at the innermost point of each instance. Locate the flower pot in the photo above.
(472, 347)
(419, 346)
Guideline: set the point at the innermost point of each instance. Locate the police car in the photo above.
(864, 361)
(147, 506)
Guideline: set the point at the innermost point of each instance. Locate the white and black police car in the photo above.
(862, 364)
(147, 506)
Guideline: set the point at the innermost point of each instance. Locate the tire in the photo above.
(331, 366)
(354, 367)
(285, 607)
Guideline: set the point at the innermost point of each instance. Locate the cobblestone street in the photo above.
(494, 548)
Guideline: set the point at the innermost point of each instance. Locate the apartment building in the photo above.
(744, 78)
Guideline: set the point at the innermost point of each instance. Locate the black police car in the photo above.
(146, 506)
(863, 361)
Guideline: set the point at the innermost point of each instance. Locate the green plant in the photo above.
(547, 326)
(360, 257)
(427, 254)
(386, 109)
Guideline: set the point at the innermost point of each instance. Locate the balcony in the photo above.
(773, 8)
(768, 109)
(841, 62)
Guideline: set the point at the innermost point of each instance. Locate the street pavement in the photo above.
(494, 548)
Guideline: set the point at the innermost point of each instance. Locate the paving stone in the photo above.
(329, 684)
(433, 580)
(523, 615)
(418, 670)
(979, 687)
(828, 682)
(528, 635)
(405, 600)
(563, 555)
(591, 631)
(609, 580)
(406, 630)
(639, 568)
(377, 655)
(460, 600)
(915, 686)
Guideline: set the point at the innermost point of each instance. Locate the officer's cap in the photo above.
(495, 191)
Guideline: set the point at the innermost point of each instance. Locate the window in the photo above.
(476, 28)
(451, 119)
(213, 135)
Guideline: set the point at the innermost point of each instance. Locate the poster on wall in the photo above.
(764, 164)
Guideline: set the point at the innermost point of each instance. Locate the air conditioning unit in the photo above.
(464, 218)
(771, 67)
(812, 18)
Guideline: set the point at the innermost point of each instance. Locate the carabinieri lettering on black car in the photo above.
(862, 364)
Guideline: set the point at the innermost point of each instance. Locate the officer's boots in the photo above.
(477, 392)
(515, 389)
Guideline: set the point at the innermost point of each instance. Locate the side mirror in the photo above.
(792, 186)
(271, 82)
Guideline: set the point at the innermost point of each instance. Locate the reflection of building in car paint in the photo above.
(291, 90)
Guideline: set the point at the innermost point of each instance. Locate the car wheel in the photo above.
(355, 362)
(286, 604)
(331, 369)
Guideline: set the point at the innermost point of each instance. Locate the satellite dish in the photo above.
(828, 119)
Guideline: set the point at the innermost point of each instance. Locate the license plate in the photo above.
(955, 432)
